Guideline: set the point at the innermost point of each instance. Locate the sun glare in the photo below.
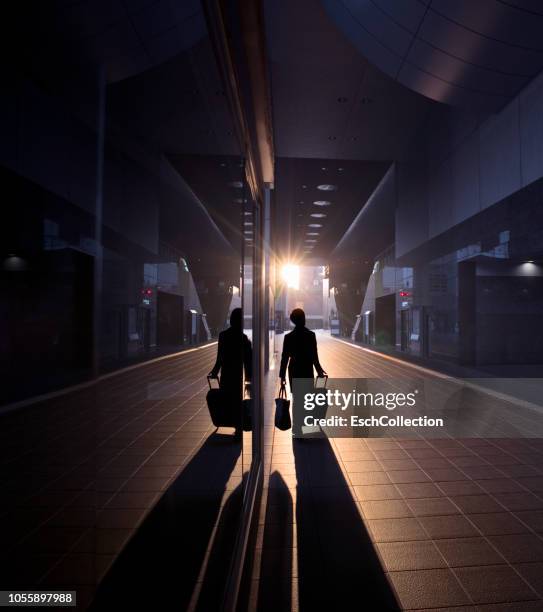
(291, 276)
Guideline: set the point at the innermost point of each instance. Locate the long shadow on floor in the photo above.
(276, 554)
(331, 564)
(337, 562)
(159, 568)
(210, 595)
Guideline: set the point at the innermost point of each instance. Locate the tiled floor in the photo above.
(127, 481)
(412, 524)
(82, 472)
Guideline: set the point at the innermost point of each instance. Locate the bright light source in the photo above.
(291, 276)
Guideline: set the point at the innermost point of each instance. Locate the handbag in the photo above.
(282, 410)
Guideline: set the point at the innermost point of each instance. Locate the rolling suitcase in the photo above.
(220, 407)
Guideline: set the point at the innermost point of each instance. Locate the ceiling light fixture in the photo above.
(327, 187)
(318, 215)
(322, 203)
(315, 225)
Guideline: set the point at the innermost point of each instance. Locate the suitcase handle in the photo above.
(247, 389)
(210, 378)
(325, 381)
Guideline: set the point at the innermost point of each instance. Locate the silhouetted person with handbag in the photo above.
(299, 351)
(234, 355)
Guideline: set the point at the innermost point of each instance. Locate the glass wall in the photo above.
(129, 241)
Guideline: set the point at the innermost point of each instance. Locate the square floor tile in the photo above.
(376, 492)
(367, 478)
(533, 574)
(462, 552)
(401, 556)
(461, 487)
(474, 504)
(445, 474)
(500, 485)
(362, 466)
(493, 584)
(497, 523)
(519, 547)
(432, 506)
(407, 476)
(419, 489)
(520, 501)
(398, 464)
(396, 530)
(390, 508)
(428, 588)
(452, 526)
(532, 518)
(482, 472)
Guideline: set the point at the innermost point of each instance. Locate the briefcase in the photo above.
(282, 410)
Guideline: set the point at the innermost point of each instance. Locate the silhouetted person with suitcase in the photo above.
(299, 351)
(234, 356)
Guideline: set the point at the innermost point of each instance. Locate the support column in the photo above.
(98, 220)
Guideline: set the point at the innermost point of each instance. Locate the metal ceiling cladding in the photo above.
(368, 114)
(463, 53)
(351, 189)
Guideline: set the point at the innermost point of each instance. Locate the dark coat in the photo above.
(300, 354)
(234, 353)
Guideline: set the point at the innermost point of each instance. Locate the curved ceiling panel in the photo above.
(126, 37)
(460, 52)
